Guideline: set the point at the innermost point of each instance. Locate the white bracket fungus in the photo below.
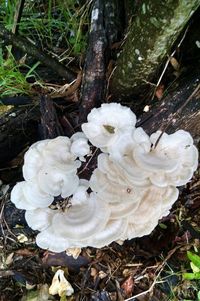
(133, 186)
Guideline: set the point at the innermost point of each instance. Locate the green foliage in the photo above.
(7, 11)
(195, 266)
(12, 81)
(56, 24)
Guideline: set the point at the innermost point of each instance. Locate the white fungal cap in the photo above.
(56, 181)
(114, 230)
(155, 204)
(80, 196)
(121, 154)
(50, 240)
(120, 172)
(77, 136)
(28, 196)
(82, 221)
(172, 159)
(58, 150)
(113, 192)
(39, 219)
(127, 141)
(55, 152)
(80, 146)
(106, 123)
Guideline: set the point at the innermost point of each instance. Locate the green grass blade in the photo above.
(191, 276)
(194, 258)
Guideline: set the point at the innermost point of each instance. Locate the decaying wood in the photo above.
(93, 84)
(16, 101)
(180, 109)
(18, 128)
(50, 126)
(27, 47)
(148, 44)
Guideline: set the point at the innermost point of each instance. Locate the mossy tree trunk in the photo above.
(148, 43)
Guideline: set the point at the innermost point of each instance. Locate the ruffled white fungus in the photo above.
(39, 219)
(133, 186)
(80, 221)
(28, 196)
(172, 159)
(105, 124)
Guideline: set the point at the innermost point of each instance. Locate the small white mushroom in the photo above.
(60, 285)
(156, 204)
(80, 196)
(50, 240)
(113, 231)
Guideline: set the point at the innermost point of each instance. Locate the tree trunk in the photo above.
(149, 40)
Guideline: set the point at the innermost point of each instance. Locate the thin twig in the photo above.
(86, 165)
(168, 60)
(159, 269)
(27, 47)
(178, 112)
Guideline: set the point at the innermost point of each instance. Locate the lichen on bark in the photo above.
(148, 43)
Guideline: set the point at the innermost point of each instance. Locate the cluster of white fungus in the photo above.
(133, 186)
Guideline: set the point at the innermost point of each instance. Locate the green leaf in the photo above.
(191, 276)
(194, 258)
(162, 226)
(110, 129)
(194, 268)
(63, 297)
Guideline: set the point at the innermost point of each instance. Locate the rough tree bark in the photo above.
(103, 33)
(93, 84)
(148, 42)
(180, 109)
(18, 129)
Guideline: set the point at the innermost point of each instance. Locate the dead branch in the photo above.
(27, 47)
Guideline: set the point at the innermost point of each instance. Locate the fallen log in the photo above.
(180, 109)
(18, 128)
